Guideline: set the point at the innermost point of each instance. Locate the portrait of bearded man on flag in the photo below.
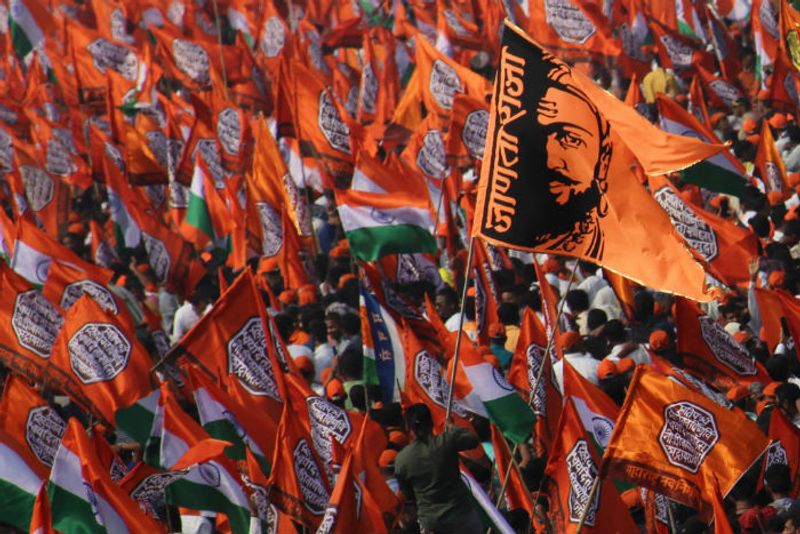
(574, 153)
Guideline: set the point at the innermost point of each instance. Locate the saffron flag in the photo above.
(83, 497)
(676, 442)
(41, 520)
(770, 167)
(588, 203)
(572, 468)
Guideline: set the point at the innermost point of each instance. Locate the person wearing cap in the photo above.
(583, 362)
(427, 473)
(611, 382)
(497, 341)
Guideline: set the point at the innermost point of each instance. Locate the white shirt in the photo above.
(582, 362)
(323, 358)
(638, 355)
(185, 319)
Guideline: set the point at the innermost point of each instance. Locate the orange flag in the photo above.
(721, 523)
(99, 352)
(573, 28)
(724, 247)
(41, 521)
(572, 468)
(587, 203)
(677, 442)
(780, 317)
(785, 448)
(656, 514)
(707, 348)
(30, 420)
(770, 167)
(517, 494)
(66, 284)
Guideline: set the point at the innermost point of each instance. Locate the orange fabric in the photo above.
(788, 437)
(66, 284)
(773, 305)
(678, 442)
(517, 494)
(572, 468)
(770, 167)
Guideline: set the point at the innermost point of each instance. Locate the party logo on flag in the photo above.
(43, 431)
(431, 155)
(149, 493)
(726, 349)
(776, 454)
(326, 526)
(535, 356)
(428, 374)
(98, 352)
(229, 130)
(688, 435)
(315, 496)
(35, 321)
(157, 143)
(582, 473)
(159, 257)
(106, 54)
(769, 19)
(6, 147)
(273, 37)
(101, 295)
(568, 21)
(474, 133)
(58, 160)
(38, 185)
(209, 153)
(192, 60)
(725, 90)
(271, 229)
(680, 53)
(444, 83)
(773, 177)
(248, 360)
(327, 420)
(369, 88)
(699, 235)
(331, 124)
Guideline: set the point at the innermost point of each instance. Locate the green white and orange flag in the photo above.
(377, 225)
(559, 172)
(29, 23)
(207, 218)
(100, 354)
(21, 476)
(84, 498)
(721, 172)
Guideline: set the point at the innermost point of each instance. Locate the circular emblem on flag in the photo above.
(501, 381)
(121, 59)
(688, 434)
(474, 133)
(117, 470)
(314, 51)
(535, 355)
(698, 235)
(43, 431)
(101, 295)
(57, 160)
(632, 42)
(454, 23)
(273, 37)
(727, 92)
(249, 362)
(192, 60)
(174, 151)
(315, 495)
(431, 156)
(149, 493)
(417, 267)
(444, 83)
(157, 143)
(210, 474)
(718, 40)
(327, 421)
(271, 229)
(178, 195)
(726, 349)
(35, 322)
(159, 257)
(582, 472)
(773, 178)
(6, 151)
(229, 130)
(602, 427)
(769, 19)
(428, 375)
(115, 156)
(381, 217)
(298, 204)
(568, 21)
(38, 186)
(679, 53)
(209, 152)
(175, 12)
(118, 24)
(331, 124)
(280, 350)
(155, 193)
(98, 352)
(369, 88)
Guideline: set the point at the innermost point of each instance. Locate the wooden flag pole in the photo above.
(221, 49)
(585, 512)
(467, 270)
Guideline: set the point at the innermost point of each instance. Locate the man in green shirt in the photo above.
(427, 470)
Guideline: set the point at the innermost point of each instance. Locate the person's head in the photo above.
(200, 298)
(778, 480)
(577, 300)
(350, 364)
(419, 420)
(786, 397)
(595, 319)
(614, 332)
(446, 302)
(333, 325)
(508, 313)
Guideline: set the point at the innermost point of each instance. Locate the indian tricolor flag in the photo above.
(213, 485)
(722, 172)
(29, 22)
(384, 363)
(137, 420)
(83, 497)
(122, 206)
(20, 479)
(197, 227)
(377, 225)
(503, 405)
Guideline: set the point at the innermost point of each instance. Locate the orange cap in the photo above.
(778, 121)
(737, 393)
(625, 365)
(749, 126)
(776, 278)
(398, 438)
(761, 405)
(569, 340)
(771, 388)
(268, 265)
(742, 337)
(306, 296)
(752, 139)
(386, 459)
(287, 296)
(763, 94)
(471, 291)
(334, 389)
(497, 330)
(774, 197)
(794, 179)
(658, 339)
(304, 364)
(606, 369)
(716, 117)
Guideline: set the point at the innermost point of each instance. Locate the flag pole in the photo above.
(221, 50)
(538, 380)
(467, 270)
(585, 512)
